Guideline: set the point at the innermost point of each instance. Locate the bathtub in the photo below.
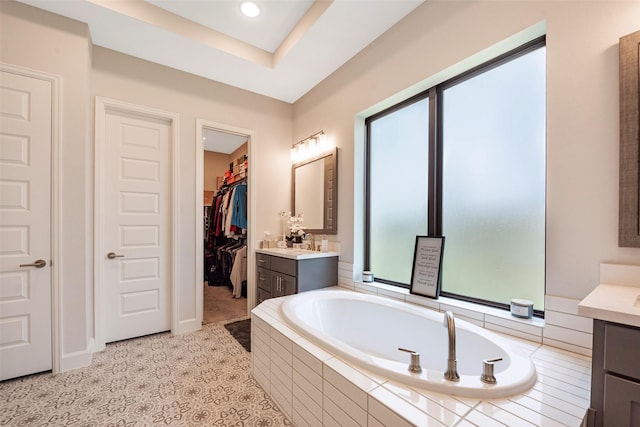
(367, 331)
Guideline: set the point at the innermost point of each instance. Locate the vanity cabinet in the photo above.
(279, 276)
(615, 375)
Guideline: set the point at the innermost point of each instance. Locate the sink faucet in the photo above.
(308, 236)
(452, 369)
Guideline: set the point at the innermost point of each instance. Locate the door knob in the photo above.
(112, 255)
(38, 264)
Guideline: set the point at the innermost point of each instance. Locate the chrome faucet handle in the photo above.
(487, 371)
(415, 360)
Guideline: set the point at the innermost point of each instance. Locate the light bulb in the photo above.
(323, 142)
(249, 9)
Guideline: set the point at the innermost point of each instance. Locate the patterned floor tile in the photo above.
(196, 379)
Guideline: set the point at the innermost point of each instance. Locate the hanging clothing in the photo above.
(239, 271)
(225, 235)
(239, 213)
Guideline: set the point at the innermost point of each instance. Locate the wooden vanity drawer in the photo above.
(263, 295)
(622, 350)
(284, 265)
(264, 279)
(263, 260)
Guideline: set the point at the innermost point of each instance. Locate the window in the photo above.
(465, 160)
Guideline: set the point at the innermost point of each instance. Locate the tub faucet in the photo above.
(452, 369)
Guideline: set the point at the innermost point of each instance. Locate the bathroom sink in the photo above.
(295, 253)
(291, 251)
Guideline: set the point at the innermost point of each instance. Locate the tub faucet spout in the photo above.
(452, 368)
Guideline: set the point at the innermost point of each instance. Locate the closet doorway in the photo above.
(224, 224)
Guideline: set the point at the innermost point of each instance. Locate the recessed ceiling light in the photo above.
(250, 9)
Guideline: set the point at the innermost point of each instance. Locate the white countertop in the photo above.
(613, 303)
(296, 253)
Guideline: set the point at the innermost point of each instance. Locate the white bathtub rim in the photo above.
(469, 385)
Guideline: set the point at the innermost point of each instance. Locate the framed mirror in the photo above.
(314, 192)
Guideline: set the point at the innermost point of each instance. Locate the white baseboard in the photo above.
(77, 359)
(188, 325)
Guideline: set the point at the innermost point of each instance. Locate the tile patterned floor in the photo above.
(197, 379)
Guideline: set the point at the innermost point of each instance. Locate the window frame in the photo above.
(434, 174)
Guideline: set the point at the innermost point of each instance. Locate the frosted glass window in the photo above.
(486, 193)
(493, 183)
(398, 196)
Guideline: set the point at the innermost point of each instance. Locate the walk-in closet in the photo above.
(226, 168)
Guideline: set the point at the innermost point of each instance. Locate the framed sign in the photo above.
(427, 266)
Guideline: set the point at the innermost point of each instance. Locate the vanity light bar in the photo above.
(309, 147)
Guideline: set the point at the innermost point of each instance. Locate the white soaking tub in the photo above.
(367, 330)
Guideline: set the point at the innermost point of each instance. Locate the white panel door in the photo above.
(25, 209)
(136, 258)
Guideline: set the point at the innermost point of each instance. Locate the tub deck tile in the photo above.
(507, 418)
(313, 391)
(541, 416)
(283, 334)
(263, 364)
(334, 415)
(324, 390)
(433, 403)
(306, 406)
(310, 354)
(555, 393)
(465, 423)
(372, 422)
(567, 388)
(345, 377)
(283, 343)
(281, 374)
(423, 301)
(512, 332)
(257, 322)
(480, 419)
(571, 380)
(264, 315)
(329, 421)
(463, 312)
(566, 346)
(397, 411)
(392, 293)
(575, 371)
(577, 338)
(560, 356)
(366, 289)
(558, 410)
(348, 402)
(337, 363)
(282, 394)
(303, 418)
(301, 372)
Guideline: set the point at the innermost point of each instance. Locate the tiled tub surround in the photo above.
(316, 388)
(377, 327)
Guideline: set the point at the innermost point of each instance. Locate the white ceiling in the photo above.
(222, 142)
(283, 53)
